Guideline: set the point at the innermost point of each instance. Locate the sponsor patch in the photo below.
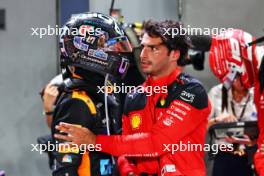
(177, 103)
(186, 96)
(135, 121)
(162, 102)
(168, 121)
(173, 114)
(84, 29)
(168, 168)
(99, 54)
(105, 167)
(90, 39)
(78, 43)
(67, 159)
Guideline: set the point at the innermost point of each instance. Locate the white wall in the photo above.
(26, 64)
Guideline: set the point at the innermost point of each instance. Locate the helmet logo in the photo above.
(77, 41)
(235, 50)
(90, 39)
(85, 29)
(123, 66)
(100, 54)
(89, 30)
(101, 41)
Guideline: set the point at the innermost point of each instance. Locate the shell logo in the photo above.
(162, 102)
(135, 121)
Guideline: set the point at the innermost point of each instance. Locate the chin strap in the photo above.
(106, 110)
(106, 105)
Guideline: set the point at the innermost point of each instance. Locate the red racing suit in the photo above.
(155, 124)
(259, 157)
(259, 101)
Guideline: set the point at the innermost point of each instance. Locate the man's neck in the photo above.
(164, 74)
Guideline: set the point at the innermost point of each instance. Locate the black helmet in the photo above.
(96, 43)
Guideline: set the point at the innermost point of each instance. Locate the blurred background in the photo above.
(28, 62)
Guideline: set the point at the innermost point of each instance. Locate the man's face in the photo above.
(155, 56)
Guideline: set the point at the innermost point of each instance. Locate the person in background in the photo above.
(233, 105)
(49, 96)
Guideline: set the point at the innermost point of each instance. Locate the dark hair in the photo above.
(224, 99)
(172, 42)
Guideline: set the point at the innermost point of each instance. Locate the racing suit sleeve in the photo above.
(182, 117)
(70, 160)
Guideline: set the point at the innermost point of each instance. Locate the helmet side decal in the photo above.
(78, 43)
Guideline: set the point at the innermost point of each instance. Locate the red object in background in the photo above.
(230, 54)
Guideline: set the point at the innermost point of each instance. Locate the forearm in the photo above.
(211, 122)
(141, 144)
(49, 120)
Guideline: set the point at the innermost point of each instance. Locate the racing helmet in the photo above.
(94, 42)
(231, 55)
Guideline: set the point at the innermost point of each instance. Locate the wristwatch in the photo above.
(46, 113)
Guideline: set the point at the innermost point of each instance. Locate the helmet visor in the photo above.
(119, 44)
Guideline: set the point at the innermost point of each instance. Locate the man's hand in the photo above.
(125, 167)
(76, 134)
(226, 118)
(49, 97)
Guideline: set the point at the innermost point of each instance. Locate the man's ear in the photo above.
(175, 55)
